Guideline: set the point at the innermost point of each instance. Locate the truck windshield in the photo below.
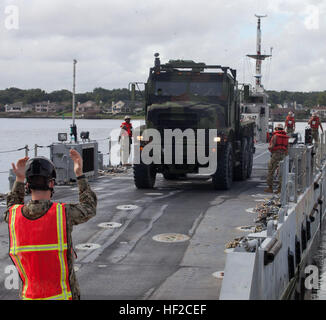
(169, 88)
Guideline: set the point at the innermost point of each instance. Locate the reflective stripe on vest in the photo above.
(281, 141)
(38, 249)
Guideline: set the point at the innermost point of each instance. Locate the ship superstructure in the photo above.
(254, 104)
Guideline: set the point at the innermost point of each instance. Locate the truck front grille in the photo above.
(181, 121)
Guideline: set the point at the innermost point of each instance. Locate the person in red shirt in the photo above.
(290, 123)
(279, 148)
(125, 140)
(315, 123)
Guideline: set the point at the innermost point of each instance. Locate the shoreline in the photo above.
(102, 117)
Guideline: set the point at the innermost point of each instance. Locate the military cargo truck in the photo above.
(183, 95)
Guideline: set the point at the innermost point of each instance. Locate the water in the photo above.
(16, 133)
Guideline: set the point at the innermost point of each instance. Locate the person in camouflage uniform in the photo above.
(315, 123)
(279, 149)
(290, 123)
(75, 213)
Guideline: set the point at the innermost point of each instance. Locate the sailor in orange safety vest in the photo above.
(279, 149)
(40, 231)
(315, 123)
(290, 123)
(125, 140)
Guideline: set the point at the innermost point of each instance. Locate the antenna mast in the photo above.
(73, 127)
(258, 56)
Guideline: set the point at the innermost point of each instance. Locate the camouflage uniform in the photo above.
(273, 164)
(315, 135)
(75, 214)
(289, 130)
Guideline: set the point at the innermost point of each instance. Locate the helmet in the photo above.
(39, 167)
(127, 117)
(279, 126)
(290, 113)
(314, 114)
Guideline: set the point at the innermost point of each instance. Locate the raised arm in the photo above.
(17, 194)
(86, 208)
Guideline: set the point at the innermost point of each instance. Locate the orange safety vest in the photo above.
(289, 122)
(315, 122)
(282, 141)
(127, 127)
(38, 248)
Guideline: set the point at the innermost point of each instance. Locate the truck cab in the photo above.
(183, 95)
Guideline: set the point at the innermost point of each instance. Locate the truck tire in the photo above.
(144, 176)
(241, 171)
(223, 177)
(250, 156)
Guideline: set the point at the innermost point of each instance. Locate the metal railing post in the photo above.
(303, 170)
(26, 150)
(296, 172)
(321, 147)
(284, 169)
(310, 170)
(110, 147)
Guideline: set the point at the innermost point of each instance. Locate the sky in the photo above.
(114, 41)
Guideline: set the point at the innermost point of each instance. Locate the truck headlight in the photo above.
(217, 139)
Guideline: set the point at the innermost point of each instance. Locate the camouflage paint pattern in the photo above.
(315, 135)
(289, 130)
(273, 164)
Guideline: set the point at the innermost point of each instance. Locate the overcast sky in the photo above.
(114, 40)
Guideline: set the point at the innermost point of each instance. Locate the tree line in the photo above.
(307, 99)
(12, 95)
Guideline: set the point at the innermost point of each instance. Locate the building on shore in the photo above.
(321, 110)
(126, 107)
(89, 107)
(18, 107)
(47, 107)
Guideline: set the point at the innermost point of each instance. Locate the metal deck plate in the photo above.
(110, 225)
(127, 207)
(171, 237)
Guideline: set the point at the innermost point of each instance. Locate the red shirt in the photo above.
(315, 122)
(127, 127)
(289, 122)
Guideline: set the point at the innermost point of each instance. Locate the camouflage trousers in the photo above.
(289, 130)
(315, 135)
(273, 164)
